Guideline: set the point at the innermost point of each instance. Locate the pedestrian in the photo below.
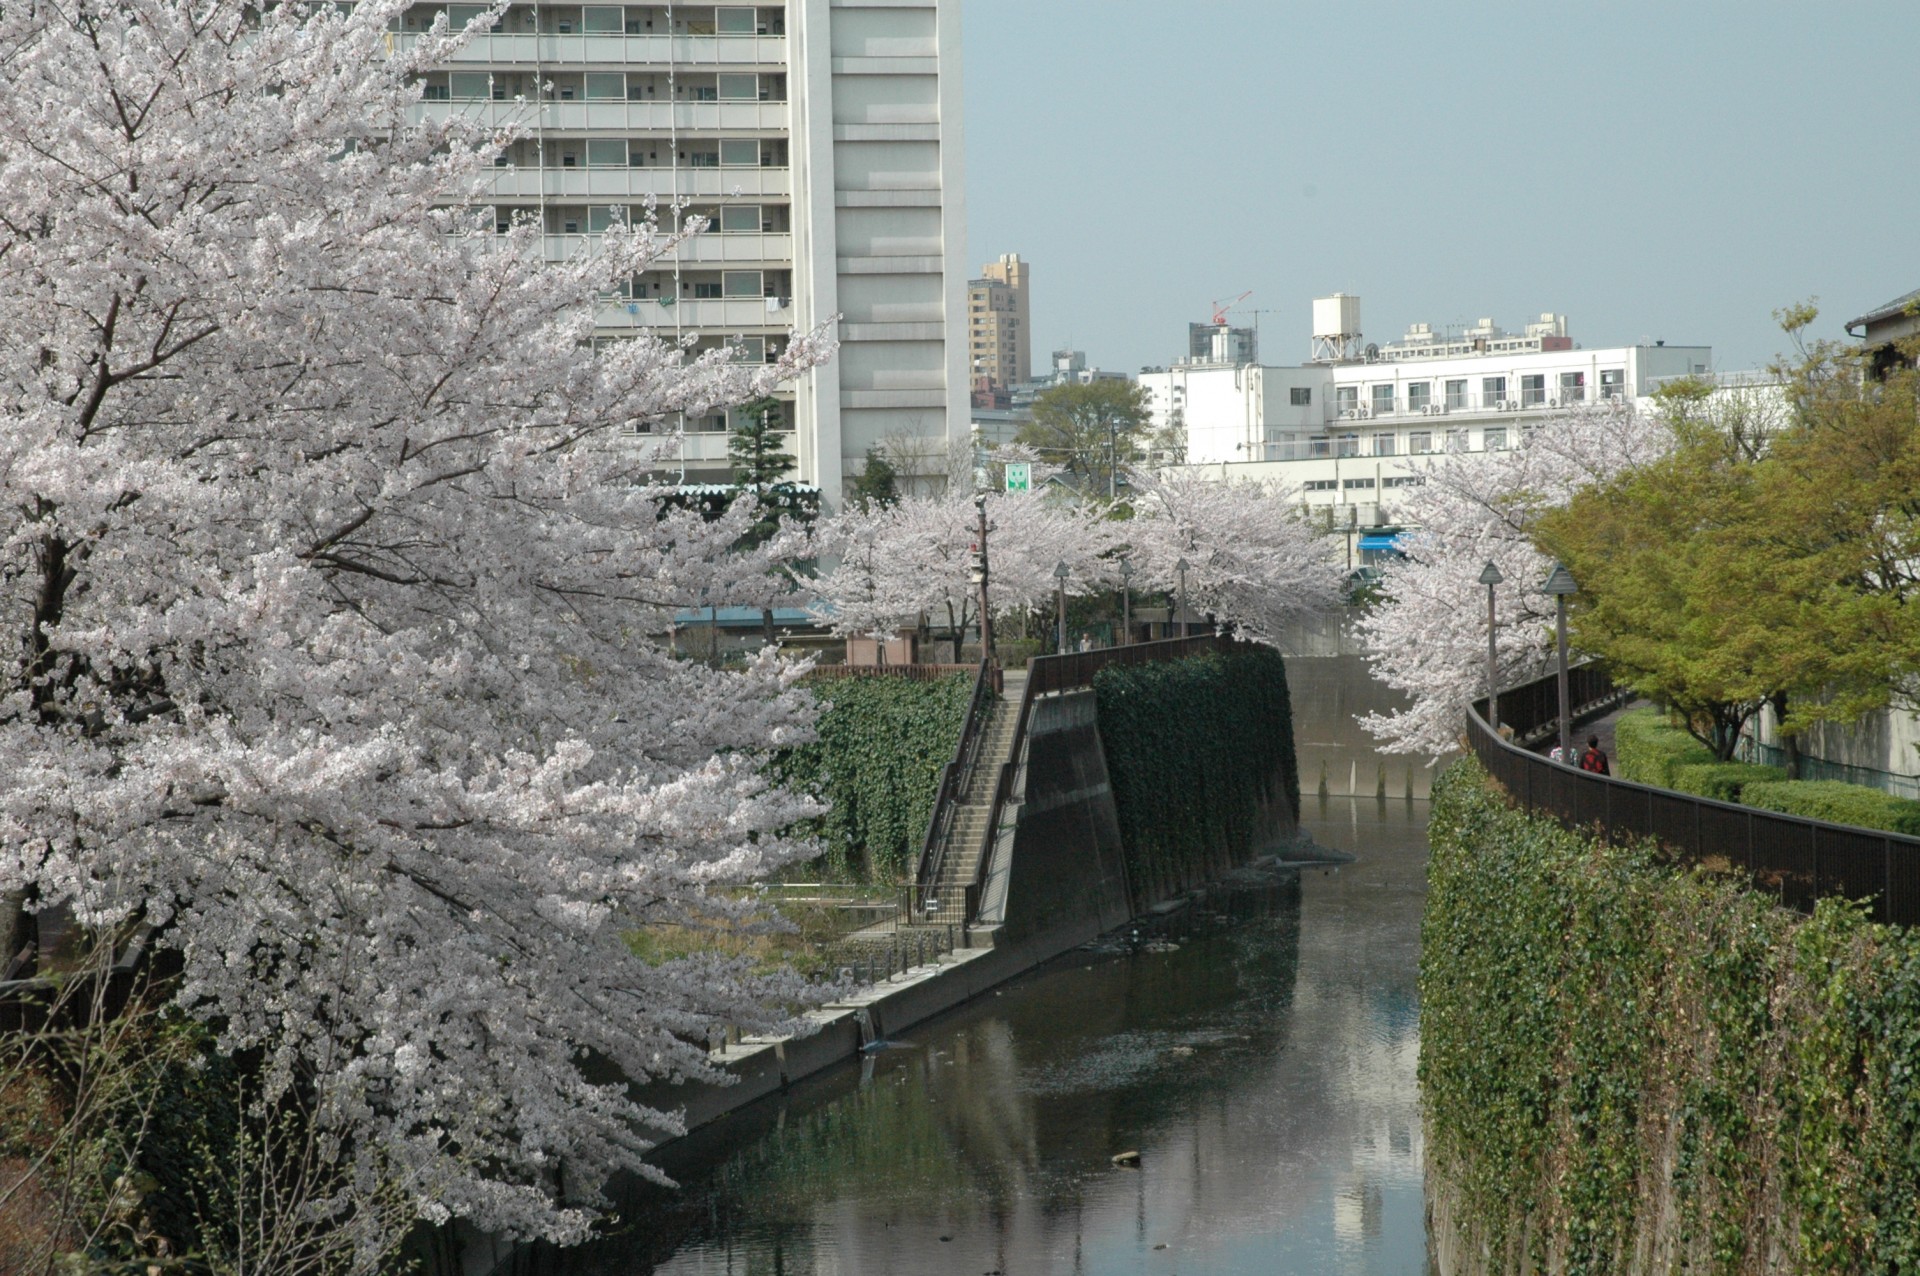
(1593, 759)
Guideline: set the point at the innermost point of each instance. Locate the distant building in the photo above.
(998, 414)
(999, 336)
(1343, 427)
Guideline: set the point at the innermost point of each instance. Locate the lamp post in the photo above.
(1181, 568)
(1126, 600)
(980, 579)
(1560, 584)
(1060, 574)
(1490, 576)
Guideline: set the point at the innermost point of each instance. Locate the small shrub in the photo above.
(1723, 781)
(1837, 803)
(1649, 749)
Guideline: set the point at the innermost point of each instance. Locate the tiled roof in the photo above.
(1897, 306)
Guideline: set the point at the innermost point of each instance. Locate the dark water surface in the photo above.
(1264, 1069)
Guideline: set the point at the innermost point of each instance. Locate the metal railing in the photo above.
(911, 673)
(1070, 671)
(1797, 860)
(954, 778)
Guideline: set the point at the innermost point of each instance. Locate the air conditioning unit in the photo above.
(1509, 405)
(1348, 414)
(1553, 403)
(1362, 413)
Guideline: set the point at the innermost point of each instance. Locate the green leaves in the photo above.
(1614, 1054)
(1196, 750)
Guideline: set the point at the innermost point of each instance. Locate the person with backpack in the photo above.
(1593, 759)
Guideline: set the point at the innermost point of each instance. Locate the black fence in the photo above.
(1797, 860)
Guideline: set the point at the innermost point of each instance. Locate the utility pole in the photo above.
(980, 579)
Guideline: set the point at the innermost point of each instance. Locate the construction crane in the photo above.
(1220, 308)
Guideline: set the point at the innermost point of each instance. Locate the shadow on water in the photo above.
(1263, 1065)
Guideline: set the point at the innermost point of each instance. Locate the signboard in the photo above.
(1019, 476)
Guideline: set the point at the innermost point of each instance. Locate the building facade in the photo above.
(999, 334)
(1343, 430)
(821, 141)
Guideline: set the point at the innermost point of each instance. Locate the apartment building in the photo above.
(999, 333)
(1345, 427)
(821, 141)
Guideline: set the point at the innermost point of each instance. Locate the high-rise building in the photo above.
(821, 141)
(999, 337)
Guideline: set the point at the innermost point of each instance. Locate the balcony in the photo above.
(686, 52)
(720, 314)
(632, 184)
(712, 247)
(617, 116)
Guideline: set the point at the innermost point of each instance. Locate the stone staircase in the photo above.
(967, 834)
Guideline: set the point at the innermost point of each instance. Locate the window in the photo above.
(1419, 395)
(1404, 480)
(750, 350)
(606, 151)
(1492, 390)
(740, 219)
(1319, 485)
(739, 152)
(605, 86)
(1420, 442)
(1613, 383)
(705, 93)
(706, 292)
(1320, 448)
(569, 159)
(1300, 396)
(1363, 485)
(471, 84)
(1573, 387)
(602, 20)
(1347, 445)
(741, 283)
(1457, 393)
(1533, 389)
(1347, 399)
(602, 216)
(1383, 445)
(458, 15)
(1495, 440)
(739, 88)
(434, 93)
(733, 21)
(1457, 440)
(1382, 400)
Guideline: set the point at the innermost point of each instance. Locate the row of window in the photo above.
(611, 20)
(1494, 391)
(622, 152)
(1361, 484)
(596, 219)
(605, 86)
(1419, 443)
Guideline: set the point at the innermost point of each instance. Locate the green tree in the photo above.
(753, 445)
(876, 482)
(1093, 430)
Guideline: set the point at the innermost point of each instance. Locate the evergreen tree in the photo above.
(875, 484)
(753, 446)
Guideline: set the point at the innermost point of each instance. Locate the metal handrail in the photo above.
(953, 781)
(1798, 860)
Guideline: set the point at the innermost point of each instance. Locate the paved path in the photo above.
(1602, 727)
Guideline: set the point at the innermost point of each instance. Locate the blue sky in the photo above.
(1671, 170)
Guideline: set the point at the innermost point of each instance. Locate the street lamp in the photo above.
(1490, 576)
(1126, 600)
(1060, 574)
(1560, 584)
(980, 578)
(1181, 568)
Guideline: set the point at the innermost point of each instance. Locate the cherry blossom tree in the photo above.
(330, 569)
(1427, 637)
(1253, 560)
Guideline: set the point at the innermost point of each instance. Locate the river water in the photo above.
(1263, 1068)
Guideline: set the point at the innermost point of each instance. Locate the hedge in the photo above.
(882, 745)
(1620, 1061)
(1197, 749)
(1723, 780)
(1648, 749)
(1837, 803)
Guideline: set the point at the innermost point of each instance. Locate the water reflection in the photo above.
(1264, 1069)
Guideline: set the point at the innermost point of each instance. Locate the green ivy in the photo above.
(1618, 1058)
(1196, 749)
(882, 745)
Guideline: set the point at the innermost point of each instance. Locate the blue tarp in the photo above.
(1390, 541)
(743, 616)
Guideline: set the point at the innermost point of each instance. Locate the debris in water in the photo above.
(1126, 1158)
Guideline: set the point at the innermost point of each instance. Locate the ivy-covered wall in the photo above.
(882, 745)
(1632, 1069)
(1200, 757)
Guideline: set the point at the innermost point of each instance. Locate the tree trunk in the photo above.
(16, 926)
(766, 624)
(1790, 741)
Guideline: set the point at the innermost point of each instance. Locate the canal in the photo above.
(1262, 1065)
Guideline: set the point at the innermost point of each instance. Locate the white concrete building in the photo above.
(821, 138)
(1343, 428)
